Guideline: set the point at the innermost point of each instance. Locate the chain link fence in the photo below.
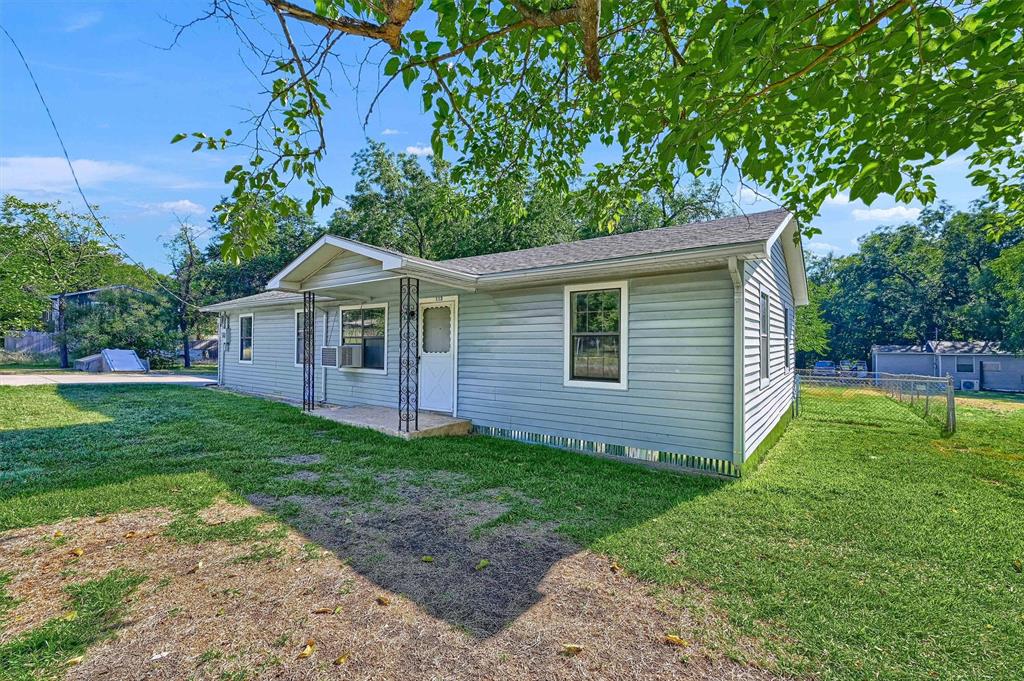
(875, 399)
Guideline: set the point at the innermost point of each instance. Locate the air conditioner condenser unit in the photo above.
(968, 384)
(329, 356)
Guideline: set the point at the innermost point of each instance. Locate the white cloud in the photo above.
(390, 131)
(821, 247)
(419, 150)
(893, 213)
(838, 200)
(51, 175)
(179, 207)
(747, 195)
(82, 20)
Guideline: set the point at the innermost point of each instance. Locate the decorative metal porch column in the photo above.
(308, 351)
(408, 354)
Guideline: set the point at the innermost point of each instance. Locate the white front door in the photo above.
(438, 345)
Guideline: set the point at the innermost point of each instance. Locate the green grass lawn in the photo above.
(30, 367)
(862, 548)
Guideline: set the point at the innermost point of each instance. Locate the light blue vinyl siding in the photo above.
(763, 406)
(510, 373)
(273, 370)
(679, 399)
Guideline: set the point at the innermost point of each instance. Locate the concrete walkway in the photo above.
(83, 378)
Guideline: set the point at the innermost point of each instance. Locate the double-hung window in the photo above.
(245, 329)
(765, 340)
(965, 365)
(596, 321)
(367, 326)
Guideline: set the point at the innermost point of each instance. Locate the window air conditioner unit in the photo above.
(329, 356)
(352, 356)
(968, 385)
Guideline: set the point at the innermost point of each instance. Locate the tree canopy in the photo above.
(939, 277)
(803, 98)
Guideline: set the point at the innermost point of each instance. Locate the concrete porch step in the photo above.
(385, 420)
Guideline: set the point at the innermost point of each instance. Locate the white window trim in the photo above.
(764, 381)
(252, 348)
(567, 380)
(341, 339)
(295, 336)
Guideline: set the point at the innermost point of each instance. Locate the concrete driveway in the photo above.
(77, 377)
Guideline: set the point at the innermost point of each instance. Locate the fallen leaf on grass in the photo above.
(308, 650)
(58, 534)
(340, 660)
(129, 534)
(383, 600)
(427, 559)
(75, 660)
(616, 567)
(674, 640)
(104, 519)
(570, 649)
(1018, 566)
(77, 552)
(482, 564)
(71, 616)
(195, 568)
(327, 611)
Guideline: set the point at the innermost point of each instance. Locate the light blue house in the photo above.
(672, 345)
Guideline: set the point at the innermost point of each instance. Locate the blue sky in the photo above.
(118, 96)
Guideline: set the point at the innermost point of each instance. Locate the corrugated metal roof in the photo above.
(946, 348)
(736, 229)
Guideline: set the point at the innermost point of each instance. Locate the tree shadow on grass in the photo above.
(467, 528)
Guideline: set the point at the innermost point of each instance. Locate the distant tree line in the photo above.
(942, 276)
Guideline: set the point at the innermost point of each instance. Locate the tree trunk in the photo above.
(61, 328)
(184, 340)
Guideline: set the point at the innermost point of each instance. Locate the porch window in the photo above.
(366, 326)
(765, 335)
(596, 337)
(245, 338)
(300, 331)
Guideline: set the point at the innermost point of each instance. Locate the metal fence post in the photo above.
(950, 406)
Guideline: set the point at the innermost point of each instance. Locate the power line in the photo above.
(78, 185)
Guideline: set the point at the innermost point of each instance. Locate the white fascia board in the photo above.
(388, 260)
(792, 248)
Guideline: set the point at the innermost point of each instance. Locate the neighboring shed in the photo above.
(974, 365)
(113, 361)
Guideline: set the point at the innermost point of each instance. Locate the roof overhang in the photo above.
(293, 278)
(789, 234)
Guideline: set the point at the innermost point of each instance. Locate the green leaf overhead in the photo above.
(804, 98)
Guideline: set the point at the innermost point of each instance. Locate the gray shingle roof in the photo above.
(722, 232)
(260, 300)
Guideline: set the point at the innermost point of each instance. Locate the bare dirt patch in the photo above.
(999, 406)
(225, 512)
(300, 476)
(200, 615)
(300, 459)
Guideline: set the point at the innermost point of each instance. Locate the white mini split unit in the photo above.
(968, 384)
(329, 356)
(352, 356)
